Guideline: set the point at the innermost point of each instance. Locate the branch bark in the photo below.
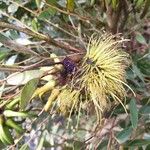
(40, 36)
(113, 16)
(125, 12)
(146, 9)
(15, 46)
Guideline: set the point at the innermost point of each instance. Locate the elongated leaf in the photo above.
(3, 54)
(139, 37)
(41, 142)
(3, 37)
(139, 3)
(114, 4)
(21, 78)
(45, 14)
(103, 145)
(27, 92)
(38, 3)
(145, 110)
(148, 147)
(146, 8)
(137, 142)
(144, 64)
(24, 147)
(77, 145)
(34, 24)
(52, 2)
(70, 5)
(124, 135)
(92, 2)
(133, 113)
(137, 72)
(12, 8)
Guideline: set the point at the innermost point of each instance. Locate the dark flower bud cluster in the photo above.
(69, 65)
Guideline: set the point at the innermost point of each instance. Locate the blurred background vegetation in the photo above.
(30, 30)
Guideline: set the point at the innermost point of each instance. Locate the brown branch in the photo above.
(5, 68)
(69, 13)
(36, 15)
(24, 30)
(18, 47)
(40, 36)
(125, 10)
(44, 62)
(146, 9)
(113, 16)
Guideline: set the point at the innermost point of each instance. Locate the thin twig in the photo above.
(26, 130)
(113, 16)
(6, 68)
(24, 30)
(126, 14)
(40, 36)
(146, 9)
(45, 20)
(69, 13)
(16, 46)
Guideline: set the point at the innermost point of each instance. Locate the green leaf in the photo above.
(139, 37)
(3, 37)
(21, 78)
(12, 8)
(137, 142)
(70, 5)
(145, 9)
(46, 14)
(133, 113)
(38, 3)
(144, 64)
(139, 3)
(27, 92)
(34, 24)
(3, 54)
(24, 147)
(148, 147)
(3, 5)
(137, 72)
(114, 4)
(103, 145)
(145, 110)
(41, 142)
(52, 2)
(124, 135)
(77, 145)
(92, 2)
(14, 34)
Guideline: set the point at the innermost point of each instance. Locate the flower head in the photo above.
(68, 100)
(102, 73)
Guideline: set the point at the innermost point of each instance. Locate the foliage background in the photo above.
(30, 30)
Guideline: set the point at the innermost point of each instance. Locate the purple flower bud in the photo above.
(69, 65)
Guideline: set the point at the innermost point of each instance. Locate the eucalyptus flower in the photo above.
(99, 80)
(102, 73)
(67, 100)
